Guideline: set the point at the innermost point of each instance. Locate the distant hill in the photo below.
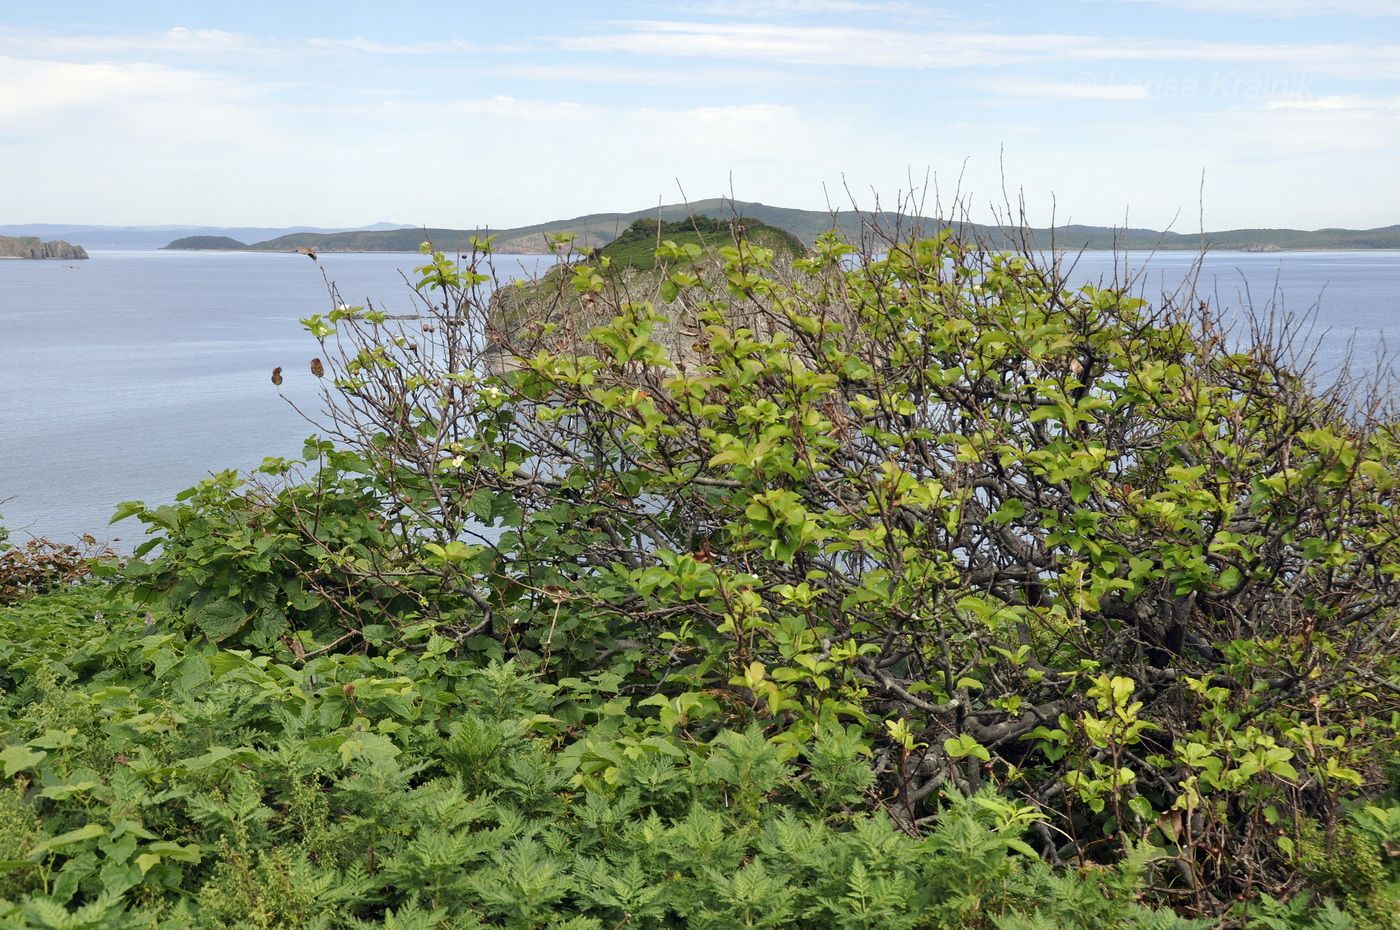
(595, 230)
(34, 247)
(155, 237)
(202, 243)
(592, 231)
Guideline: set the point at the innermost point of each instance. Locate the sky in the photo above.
(1181, 114)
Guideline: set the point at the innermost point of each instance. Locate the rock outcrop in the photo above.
(34, 247)
(550, 315)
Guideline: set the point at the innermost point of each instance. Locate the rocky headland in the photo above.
(34, 247)
(550, 314)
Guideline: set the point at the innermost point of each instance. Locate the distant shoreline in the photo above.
(597, 230)
(1240, 251)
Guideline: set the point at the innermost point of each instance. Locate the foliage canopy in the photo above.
(912, 561)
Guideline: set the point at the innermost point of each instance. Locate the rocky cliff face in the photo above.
(33, 247)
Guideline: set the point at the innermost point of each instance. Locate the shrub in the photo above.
(1128, 569)
(151, 779)
(40, 565)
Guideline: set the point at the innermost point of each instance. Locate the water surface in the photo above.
(135, 374)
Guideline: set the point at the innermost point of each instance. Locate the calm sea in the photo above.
(135, 374)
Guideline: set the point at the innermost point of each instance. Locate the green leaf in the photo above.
(126, 509)
(1142, 807)
(963, 745)
(216, 754)
(90, 832)
(162, 850)
(375, 748)
(194, 671)
(1022, 847)
(18, 758)
(63, 792)
(270, 623)
(1010, 510)
(219, 619)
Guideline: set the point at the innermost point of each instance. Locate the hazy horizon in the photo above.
(1176, 114)
(387, 224)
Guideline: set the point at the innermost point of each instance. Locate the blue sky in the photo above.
(1154, 112)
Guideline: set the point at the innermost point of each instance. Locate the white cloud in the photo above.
(182, 39)
(136, 129)
(178, 40)
(507, 161)
(141, 143)
(132, 139)
(361, 44)
(510, 107)
(1277, 8)
(1262, 167)
(1350, 60)
(54, 89)
(904, 49)
(1336, 102)
(747, 8)
(1068, 90)
(817, 45)
(595, 71)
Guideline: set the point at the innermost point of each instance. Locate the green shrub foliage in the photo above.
(154, 779)
(921, 590)
(636, 246)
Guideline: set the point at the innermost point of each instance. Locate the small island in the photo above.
(206, 244)
(34, 247)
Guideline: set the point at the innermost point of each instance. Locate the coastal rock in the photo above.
(34, 247)
(550, 314)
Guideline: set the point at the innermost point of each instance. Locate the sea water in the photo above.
(136, 374)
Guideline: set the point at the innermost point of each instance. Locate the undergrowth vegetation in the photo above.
(919, 591)
(153, 779)
(38, 566)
